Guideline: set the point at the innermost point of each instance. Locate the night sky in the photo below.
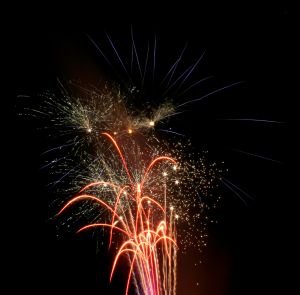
(245, 249)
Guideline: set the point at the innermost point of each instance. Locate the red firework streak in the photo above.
(148, 232)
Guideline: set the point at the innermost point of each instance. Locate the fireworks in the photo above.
(142, 96)
(118, 172)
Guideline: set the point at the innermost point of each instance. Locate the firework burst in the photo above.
(121, 175)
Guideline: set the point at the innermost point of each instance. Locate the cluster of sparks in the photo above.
(134, 185)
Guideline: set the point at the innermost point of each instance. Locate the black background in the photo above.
(245, 253)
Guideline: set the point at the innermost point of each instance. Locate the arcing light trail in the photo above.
(148, 229)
